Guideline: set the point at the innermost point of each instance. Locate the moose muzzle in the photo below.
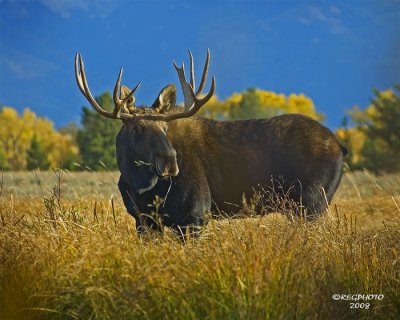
(166, 165)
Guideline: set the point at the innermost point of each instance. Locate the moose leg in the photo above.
(191, 225)
(314, 201)
(142, 223)
(187, 232)
(188, 217)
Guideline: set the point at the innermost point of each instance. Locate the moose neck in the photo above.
(215, 143)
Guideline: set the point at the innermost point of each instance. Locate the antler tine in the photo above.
(197, 104)
(124, 100)
(192, 83)
(192, 102)
(84, 88)
(117, 100)
(205, 99)
(120, 102)
(204, 76)
(186, 88)
(78, 75)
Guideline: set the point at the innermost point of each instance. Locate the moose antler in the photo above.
(192, 103)
(118, 103)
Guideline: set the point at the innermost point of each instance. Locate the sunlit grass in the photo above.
(75, 255)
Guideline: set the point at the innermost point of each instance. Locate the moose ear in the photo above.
(130, 104)
(166, 99)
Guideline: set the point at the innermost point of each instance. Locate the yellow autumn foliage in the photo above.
(271, 104)
(354, 139)
(17, 132)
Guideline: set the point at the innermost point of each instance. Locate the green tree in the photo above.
(70, 130)
(96, 138)
(36, 156)
(382, 129)
(249, 107)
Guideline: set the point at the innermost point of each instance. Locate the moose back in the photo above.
(199, 165)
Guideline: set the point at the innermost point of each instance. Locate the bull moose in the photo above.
(198, 165)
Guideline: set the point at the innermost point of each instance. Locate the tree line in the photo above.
(29, 142)
(372, 135)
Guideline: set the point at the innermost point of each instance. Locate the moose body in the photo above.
(199, 165)
(220, 161)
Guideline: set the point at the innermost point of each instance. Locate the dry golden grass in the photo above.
(78, 257)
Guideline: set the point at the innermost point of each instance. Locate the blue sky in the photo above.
(333, 51)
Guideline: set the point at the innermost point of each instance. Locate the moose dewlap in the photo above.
(200, 165)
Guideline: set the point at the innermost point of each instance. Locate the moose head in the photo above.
(144, 150)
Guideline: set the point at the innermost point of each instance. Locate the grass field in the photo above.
(72, 253)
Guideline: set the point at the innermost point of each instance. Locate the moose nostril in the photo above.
(166, 165)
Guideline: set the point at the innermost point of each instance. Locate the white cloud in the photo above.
(304, 20)
(336, 26)
(65, 7)
(335, 10)
(330, 18)
(316, 13)
(100, 8)
(24, 66)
